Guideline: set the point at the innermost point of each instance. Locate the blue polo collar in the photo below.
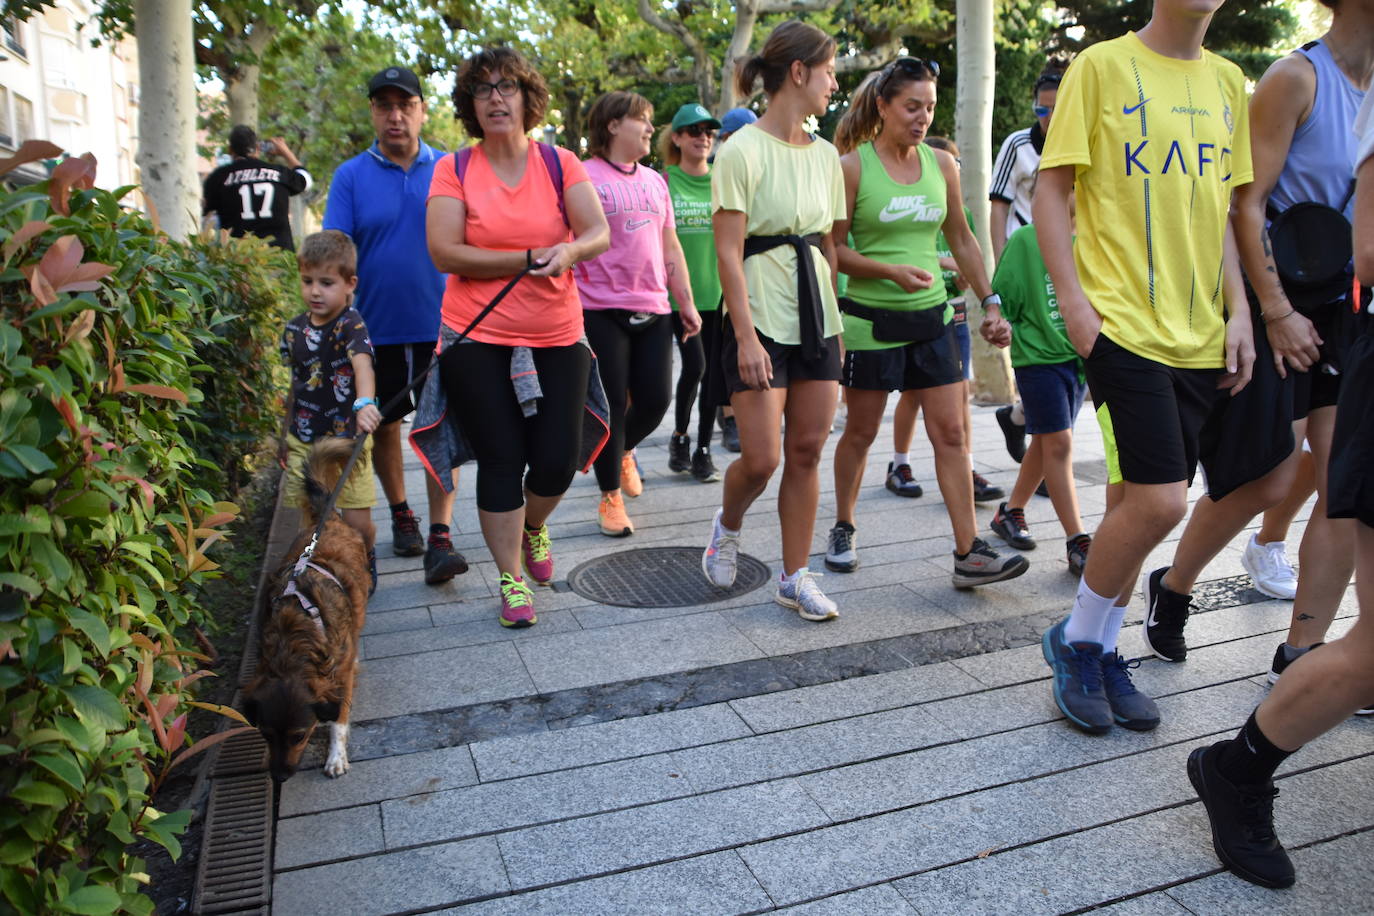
(427, 154)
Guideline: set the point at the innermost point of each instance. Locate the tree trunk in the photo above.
(992, 377)
(167, 115)
(746, 15)
(241, 92)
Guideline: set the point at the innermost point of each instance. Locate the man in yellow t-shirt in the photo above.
(1151, 131)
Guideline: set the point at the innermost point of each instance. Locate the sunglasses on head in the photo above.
(912, 68)
(699, 130)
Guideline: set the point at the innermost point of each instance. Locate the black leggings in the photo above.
(700, 353)
(636, 365)
(477, 381)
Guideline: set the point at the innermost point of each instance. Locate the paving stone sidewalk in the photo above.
(732, 758)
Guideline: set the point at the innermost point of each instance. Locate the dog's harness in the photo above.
(293, 591)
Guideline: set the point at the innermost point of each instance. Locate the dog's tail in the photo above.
(322, 469)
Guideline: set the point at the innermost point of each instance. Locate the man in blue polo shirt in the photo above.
(378, 198)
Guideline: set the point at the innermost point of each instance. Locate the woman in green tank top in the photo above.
(900, 193)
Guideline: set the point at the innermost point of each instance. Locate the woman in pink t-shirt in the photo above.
(502, 215)
(625, 293)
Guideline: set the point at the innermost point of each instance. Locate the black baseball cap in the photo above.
(397, 78)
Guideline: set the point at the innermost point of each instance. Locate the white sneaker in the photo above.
(720, 559)
(1269, 569)
(801, 592)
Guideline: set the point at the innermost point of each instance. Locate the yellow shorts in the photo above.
(359, 493)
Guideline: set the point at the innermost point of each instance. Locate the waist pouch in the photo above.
(891, 326)
(1312, 250)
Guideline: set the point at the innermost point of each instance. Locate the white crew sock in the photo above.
(1089, 616)
(1112, 628)
(1018, 414)
(900, 458)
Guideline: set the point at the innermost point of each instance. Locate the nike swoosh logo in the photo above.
(889, 216)
(1134, 108)
(632, 224)
(1152, 620)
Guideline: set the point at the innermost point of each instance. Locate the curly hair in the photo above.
(506, 62)
(613, 106)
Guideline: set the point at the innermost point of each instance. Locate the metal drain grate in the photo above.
(235, 871)
(244, 753)
(659, 577)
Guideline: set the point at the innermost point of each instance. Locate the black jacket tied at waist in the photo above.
(809, 311)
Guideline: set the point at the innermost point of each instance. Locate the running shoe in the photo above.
(1130, 708)
(800, 592)
(720, 559)
(1010, 525)
(1242, 821)
(984, 492)
(1168, 615)
(1282, 661)
(703, 467)
(517, 603)
(631, 483)
(442, 562)
(982, 565)
(1078, 688)
(1077, 548)
(841, 554)
(1014, 433)
(536, 555)
(679, 453)
(729, 434)
(1269, 569)
(900, 481)
(612, 518)
(406, 539)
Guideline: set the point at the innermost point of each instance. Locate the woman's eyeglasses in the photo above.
(699, 130)
(507, 88)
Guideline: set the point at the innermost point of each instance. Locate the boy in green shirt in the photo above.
(1049, 376)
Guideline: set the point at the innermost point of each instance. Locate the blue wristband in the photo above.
(363, 402)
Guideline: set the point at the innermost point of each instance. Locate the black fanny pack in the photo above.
(891, 326)
(1312, 251)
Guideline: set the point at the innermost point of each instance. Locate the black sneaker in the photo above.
(729, 434)
(984, 492)
(1168, 614)
(703, 468)
(1078, 690)
(1010, 526)
(442, 562)
(982, 566)
(406, 539)
(1282, 661)
(1242, 821)
(1130, 708)
(1014, 434)
(901, 481)
(680, 453)
(841, 553)
(1077, 548)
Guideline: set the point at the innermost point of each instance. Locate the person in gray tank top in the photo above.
(1301, 117)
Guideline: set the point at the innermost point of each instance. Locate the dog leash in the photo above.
(404, 392)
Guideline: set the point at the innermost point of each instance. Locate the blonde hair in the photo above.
(861, 121)
(790, 41)
(668, 151)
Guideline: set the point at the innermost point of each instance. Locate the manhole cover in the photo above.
(659, 577)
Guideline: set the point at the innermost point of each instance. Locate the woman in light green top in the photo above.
(900, 193)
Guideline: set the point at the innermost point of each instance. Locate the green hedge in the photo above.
(113, 461)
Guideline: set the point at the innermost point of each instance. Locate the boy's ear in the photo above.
(352, 283)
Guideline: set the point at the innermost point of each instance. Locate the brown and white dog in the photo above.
(309, 625)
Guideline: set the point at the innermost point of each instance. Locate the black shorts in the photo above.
(1350, 475)
(910, 367)
(1150, 413)
(397, 365)
(1320, 386)
(789, 365)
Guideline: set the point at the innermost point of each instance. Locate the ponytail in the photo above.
(860, 122)
(791, 41)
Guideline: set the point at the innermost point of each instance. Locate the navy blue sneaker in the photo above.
(1078, 688)
(1130, 708)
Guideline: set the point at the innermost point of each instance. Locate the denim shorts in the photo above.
(1050, 395)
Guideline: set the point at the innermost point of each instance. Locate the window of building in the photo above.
(23, 119)
(14, 35)
(6, 131)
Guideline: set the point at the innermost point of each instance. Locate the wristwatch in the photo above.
(363, 402)
(991, 299)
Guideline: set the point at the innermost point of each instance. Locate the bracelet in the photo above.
(1267, 320)
(363, 402)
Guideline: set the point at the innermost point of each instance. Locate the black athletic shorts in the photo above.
(1350, 475)
(1320, 386)
(1150, 413)
(789, 365)
(397, 365)
(912, 366)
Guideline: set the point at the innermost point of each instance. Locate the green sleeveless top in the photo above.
(896, 224)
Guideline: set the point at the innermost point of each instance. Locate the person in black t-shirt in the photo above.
(252, 196)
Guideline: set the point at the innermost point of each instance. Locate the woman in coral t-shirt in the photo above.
(503, 215)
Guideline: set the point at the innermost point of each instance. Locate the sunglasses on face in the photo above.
(699, 130)
(1042, 111)
(506, 87)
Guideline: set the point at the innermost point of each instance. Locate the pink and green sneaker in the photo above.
(534, 551)
(517, 603)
